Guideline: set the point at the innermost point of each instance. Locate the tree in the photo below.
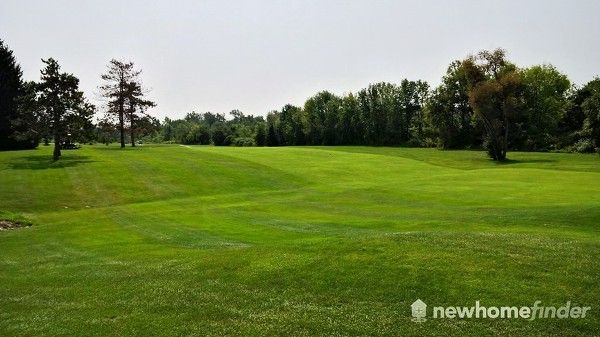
(576, 126)
(14, 133)
(261, 134)
(220, 134)
(494, 95)
(413, 95)
(197, 133)
(545, 94)
(292, 125)
(350, 125)
(273, 138)
(320, 110)
(62, 104)
(136, 106)
(118, 79)
(378, 110)
(591, 123)
(449, 111)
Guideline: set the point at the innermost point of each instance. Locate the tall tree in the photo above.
(273, 138)
(380, 113)
(545, 94)
(494, 94)
(117, 80)
(413, 95)
(292, 125)
(261, 134)
(449, 112)
(13, 130)
(350, 125)
(319, 110)
(136, 106)
(591, 124)
(62, 104)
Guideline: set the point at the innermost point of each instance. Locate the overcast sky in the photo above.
(257, 56)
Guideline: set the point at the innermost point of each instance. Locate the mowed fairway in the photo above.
(331, 241)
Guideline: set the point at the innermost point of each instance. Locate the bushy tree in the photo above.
(14, 119)
(261, 134)
(545, 94)
(413, 95)
(590, 131)
(449, 112)
(195, 133)
(379, 109)
(495, 95)
(575, 125)
(62, 104)
(292, 124)
(220, 134)
(320, 111)
(392, 114)
(351, 130)
(273, 138)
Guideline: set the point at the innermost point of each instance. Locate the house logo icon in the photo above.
(419, 311)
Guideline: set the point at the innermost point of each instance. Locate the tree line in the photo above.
(483, 102)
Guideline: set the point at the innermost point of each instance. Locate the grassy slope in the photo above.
(302, 241)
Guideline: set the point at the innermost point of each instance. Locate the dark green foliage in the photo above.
(220, 134)
(261, 134)
(243, 141)
(393, 115)
(193, 133)
(13, 129)
(449, 112)
(62, 106)
(272, 126)
(591, 124)
(351, 128)
(210, 128)
(545, 94)
(292, 125)
(495, 94)
(321, 111)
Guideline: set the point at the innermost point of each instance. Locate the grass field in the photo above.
(173, 240)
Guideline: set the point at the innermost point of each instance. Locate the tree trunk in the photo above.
(132, 131)
(122, 109)
(122, 128)
(56, 154)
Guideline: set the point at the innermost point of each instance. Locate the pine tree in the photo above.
(62, 104)
(12, 133)
(115, 89)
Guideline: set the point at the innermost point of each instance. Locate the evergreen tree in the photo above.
(62, 104)
(13, 130)
(116, 90)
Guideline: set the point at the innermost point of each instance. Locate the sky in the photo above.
(257, 56)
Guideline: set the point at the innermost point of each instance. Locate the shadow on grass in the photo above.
(118, 148)
(46, 162)
(525, 161)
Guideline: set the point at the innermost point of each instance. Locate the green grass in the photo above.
(330, 241)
